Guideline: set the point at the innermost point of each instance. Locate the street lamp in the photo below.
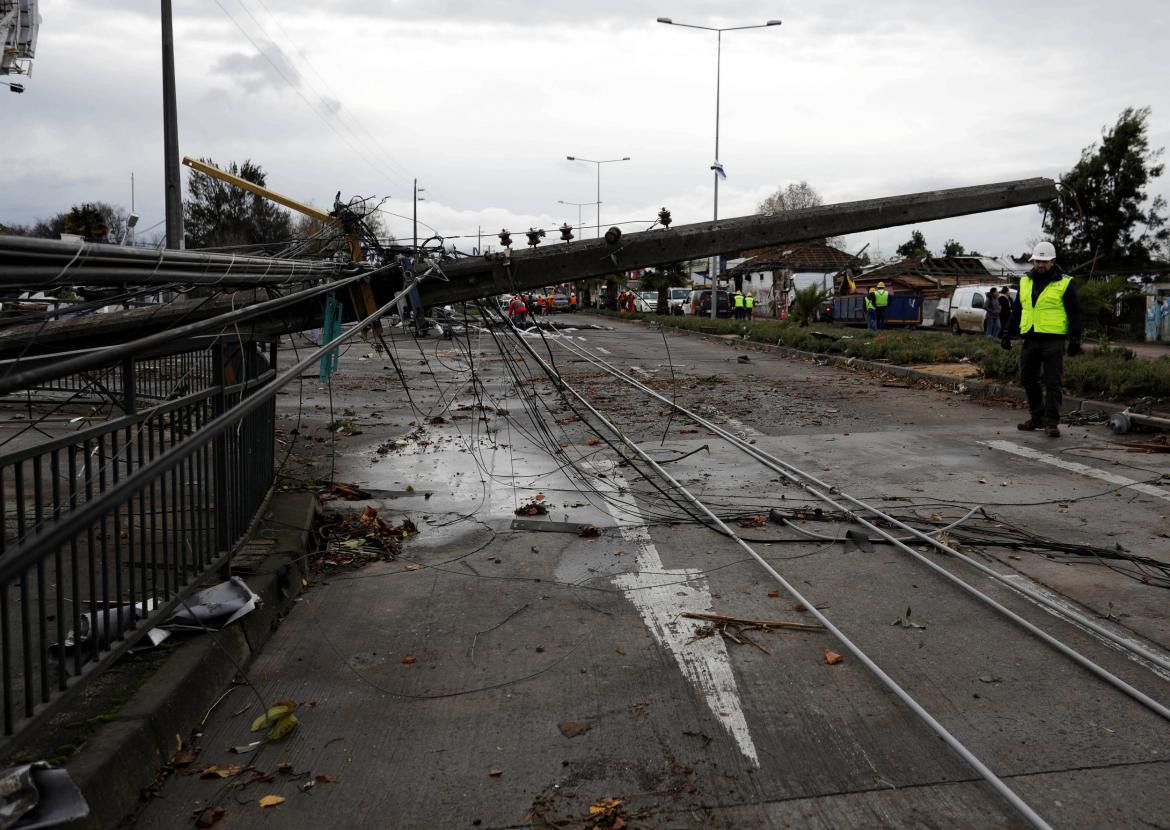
(598, 163)
(580, 224)
(717, 167)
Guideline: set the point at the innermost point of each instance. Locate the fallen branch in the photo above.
(762, 624)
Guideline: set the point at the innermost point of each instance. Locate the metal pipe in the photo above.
(984, 771)
(795, 474)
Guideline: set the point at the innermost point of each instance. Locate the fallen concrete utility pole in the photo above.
(476, 277)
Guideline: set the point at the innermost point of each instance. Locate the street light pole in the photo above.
(713, 266)
(580, 223)
(598, 163)
(172, 185)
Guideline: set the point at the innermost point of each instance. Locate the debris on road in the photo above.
(353, 540)
(734, 628)
(906, 621)
(573, 728)
(832, 657)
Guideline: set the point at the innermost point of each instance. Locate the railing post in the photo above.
(129, 389)
(222, 498)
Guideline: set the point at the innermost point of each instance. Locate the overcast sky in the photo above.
(483, 100)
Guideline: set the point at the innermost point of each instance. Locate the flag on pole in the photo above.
(718, 168)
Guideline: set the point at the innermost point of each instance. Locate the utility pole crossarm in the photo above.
(472, 278)
(259, 190)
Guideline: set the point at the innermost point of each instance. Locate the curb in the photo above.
(122, 758)
(975, 387)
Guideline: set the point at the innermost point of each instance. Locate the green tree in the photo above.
(953, 248)
(1105, 214)
(914, 247)
(662, 279)
(15, 230)
(808, 301)
(218, 214)
(95, 222)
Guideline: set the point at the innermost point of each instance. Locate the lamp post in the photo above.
(580, 224)
(717, 167)
(598, 163)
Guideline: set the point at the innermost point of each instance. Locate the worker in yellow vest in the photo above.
(749, 305)
(870, 310)
(881, 301)
(1047, 314)
(738, 299)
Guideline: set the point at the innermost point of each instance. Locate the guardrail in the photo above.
(109, 577)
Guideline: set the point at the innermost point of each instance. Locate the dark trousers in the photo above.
(880, 317)
(1041, 367)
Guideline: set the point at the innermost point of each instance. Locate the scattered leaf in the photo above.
(413, 567)
(539, 497)
(832, 657)
(408, 660)
(495, 772)
(246, 748)
(229, 771)
(774, 594)
(186, 755)
(604, 807)
(284, 766)
(593, 442)
(271, 800)
(589, 531)
(982, 481)
(209, 815)
(283, 727)
(573, 728)
(936, 517)
(907, 622)
(326, 779)
(989, 678)
(308, 785)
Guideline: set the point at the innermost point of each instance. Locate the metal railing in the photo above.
(105, 578)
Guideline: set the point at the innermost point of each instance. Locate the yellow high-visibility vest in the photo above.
(1048, 316)
(881, 298)
(738, 300)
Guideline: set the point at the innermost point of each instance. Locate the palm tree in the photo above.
(663, 278)
(808, 301)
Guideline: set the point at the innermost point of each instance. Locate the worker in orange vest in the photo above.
(573, 302)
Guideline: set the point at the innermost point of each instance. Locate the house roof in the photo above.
(798, 257)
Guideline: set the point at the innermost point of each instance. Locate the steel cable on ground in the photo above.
(803, 480)
(982, 769)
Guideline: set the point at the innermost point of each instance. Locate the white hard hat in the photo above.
(1044, 251)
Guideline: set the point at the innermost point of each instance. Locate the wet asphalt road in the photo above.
(552, 680)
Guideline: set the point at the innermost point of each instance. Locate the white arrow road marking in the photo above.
(704, 662)
(1077, 467)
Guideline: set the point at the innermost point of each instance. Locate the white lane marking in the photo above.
(603, 351)
(1074, 614)
(641, 371)
(704, 662)
(1077, 467)
(739, 427)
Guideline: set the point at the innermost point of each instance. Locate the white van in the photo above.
(964, 312)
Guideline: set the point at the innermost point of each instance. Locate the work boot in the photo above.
(1052, 431)
(1028, 426)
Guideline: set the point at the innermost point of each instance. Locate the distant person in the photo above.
(1047, 314)
(630, 302)
(1005, 307)
(737, 301)
(870, 309)
(881, 301)
(991, 322)
(749, 305)
(572, 302)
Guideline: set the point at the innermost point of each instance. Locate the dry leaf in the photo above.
(982, 481)
(539, 497)
(573, 728)
(283, 727)
(593, 442)
(604, 806)
(495, 772)
(832, 657)
(936, 517)
(590, 531)
(210, 816)
(413, 567)
(327, 779)
(773, 594)
(229, 771)
(271, 800)
(308, 785)
(408, 660)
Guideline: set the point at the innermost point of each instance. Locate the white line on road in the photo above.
(703, 661)
(603, 351)
(1077, 467)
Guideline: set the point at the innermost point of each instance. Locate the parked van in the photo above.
(965, 311)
